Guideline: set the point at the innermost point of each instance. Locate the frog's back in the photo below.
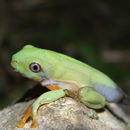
(91, 76)
(82, 69)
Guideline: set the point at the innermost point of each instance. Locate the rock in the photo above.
(64, 114)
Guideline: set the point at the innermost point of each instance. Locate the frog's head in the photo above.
(31, 62)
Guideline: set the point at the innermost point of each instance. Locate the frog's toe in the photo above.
(34, 124)
(26, 115)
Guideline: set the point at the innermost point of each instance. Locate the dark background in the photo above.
(96, 32)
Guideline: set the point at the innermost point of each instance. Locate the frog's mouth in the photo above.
(15, 70)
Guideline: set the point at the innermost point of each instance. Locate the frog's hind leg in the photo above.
(91, 98)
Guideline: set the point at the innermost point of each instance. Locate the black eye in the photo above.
(35, 67)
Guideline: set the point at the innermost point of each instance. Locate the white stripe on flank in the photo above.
(62, 85)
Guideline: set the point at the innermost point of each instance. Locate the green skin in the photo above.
(94, 88)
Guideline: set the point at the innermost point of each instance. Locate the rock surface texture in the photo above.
(64, 114)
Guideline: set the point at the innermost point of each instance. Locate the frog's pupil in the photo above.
(35, 67)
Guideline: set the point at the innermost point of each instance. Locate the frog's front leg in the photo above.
(45, 98)
(91, 98)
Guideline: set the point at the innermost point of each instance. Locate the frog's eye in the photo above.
(35, 67)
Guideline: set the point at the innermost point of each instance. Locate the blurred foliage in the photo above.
(96, 32)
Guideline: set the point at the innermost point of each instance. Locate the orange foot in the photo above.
(26, 115)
